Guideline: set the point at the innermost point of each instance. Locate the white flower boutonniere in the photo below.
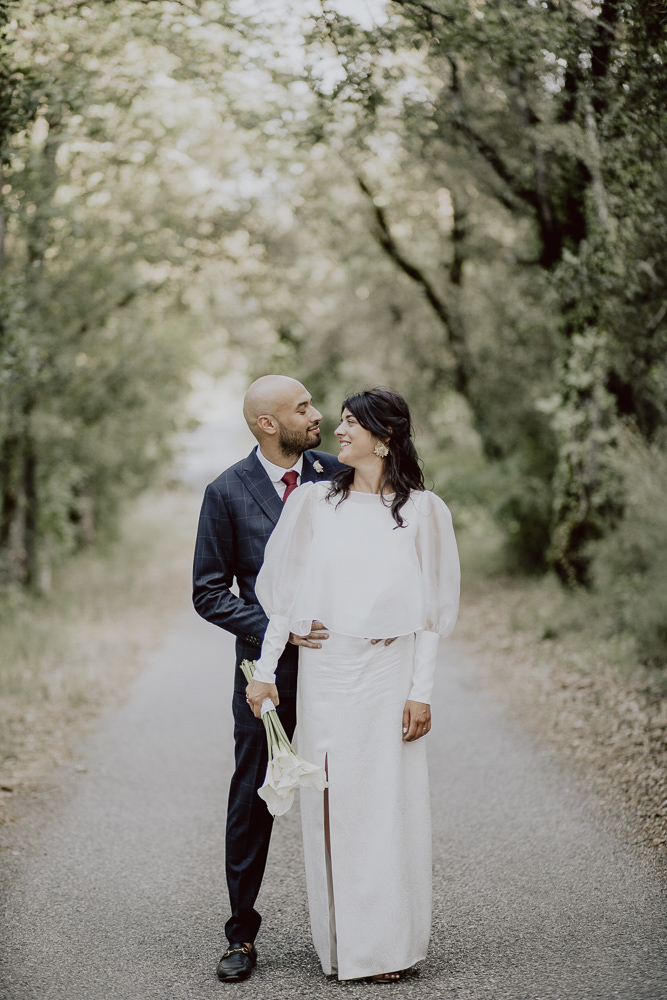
(317, 465)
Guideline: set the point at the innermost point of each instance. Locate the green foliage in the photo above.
(78, 644)
(545, 125)
(464, 200)
(96, 338)
(18, 90)
(588, 495)
(629, 566)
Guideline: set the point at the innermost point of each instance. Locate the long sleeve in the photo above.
(213, 573)
(281, 576)
(439, 561)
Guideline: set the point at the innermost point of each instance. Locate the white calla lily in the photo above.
(285, 771)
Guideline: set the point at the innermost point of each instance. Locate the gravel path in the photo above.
(113, 883)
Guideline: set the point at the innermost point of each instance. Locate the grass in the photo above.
(67, 654)
(559, 665)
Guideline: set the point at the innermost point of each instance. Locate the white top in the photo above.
(276, 472)
(348, 565)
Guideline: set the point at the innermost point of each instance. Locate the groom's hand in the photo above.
(256, 692)
(314, 638)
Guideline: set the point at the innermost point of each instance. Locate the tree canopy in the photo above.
(461, 198)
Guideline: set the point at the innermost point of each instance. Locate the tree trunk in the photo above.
(3, 219)
(447, 310)
(587, 494)
(19, 500)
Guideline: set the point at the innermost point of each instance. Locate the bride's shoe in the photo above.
(388, 977)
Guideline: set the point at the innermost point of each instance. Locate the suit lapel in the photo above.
(308, 473)
(260, 486)
(262, 489)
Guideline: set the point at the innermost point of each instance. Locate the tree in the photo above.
(95, 348)
(553, 111)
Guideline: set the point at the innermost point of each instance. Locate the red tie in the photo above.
(289, 479)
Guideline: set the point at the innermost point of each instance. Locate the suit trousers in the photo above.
(249, 822)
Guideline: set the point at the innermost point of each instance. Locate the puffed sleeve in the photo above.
(441, 576)
(277, 584)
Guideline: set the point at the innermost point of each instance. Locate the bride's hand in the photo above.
(387, 642)
(255, 694)
(314, 638)
(416, 720)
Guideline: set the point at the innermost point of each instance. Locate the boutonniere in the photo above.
(317, 465)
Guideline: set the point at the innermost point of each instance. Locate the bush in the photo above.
(629, 566)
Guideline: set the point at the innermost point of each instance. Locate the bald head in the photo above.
(268, 396)
(280, 413)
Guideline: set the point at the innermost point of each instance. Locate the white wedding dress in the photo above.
(350, 566)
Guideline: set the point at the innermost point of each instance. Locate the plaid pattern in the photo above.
(249, 822)
(240, 510)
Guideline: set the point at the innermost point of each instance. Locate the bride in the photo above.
(371, 554)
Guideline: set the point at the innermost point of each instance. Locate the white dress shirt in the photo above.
(276, 472)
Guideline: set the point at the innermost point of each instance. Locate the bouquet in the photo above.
(286, 771)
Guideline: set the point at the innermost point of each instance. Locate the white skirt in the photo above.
(370, 908)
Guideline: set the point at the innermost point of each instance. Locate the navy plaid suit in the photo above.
(240, 510)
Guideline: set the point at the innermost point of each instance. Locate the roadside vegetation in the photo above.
(583, 669)
(69, 654)
(579, 690)
(464, 199)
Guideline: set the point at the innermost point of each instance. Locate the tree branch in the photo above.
(426, 8)
(482, 145)
(494, 160)
(447, 317)
(459, 233)
(594, 164)
(120, 303)
(388, 243)
(653, 325)
(606, 27)
(538, 195)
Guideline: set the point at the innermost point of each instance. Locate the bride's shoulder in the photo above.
(301, 496)
(304, 500)
(316, 491)
(310, 489)
(426, 502)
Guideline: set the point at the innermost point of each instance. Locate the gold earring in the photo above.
(381, 450)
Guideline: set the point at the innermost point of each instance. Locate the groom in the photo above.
(240, 510)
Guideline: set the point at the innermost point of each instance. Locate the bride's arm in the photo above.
(439, 560)
(263, 683)
(277, 586)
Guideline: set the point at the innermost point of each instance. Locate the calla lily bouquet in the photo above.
(286, 771)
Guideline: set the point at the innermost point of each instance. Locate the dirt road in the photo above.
(114, 886)
(113, 882)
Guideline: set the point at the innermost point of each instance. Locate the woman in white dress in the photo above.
(372, 555)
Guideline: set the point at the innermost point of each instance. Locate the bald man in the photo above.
(240, 510)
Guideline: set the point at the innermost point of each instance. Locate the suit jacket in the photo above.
(240, 510)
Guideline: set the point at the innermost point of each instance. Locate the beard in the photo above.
(296, 442)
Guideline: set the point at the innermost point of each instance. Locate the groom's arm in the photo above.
(214, 571)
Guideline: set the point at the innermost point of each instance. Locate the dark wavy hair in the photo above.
(386, 415)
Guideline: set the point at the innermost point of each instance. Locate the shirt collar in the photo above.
(276, 472)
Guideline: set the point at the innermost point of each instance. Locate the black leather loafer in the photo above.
(237, 963)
